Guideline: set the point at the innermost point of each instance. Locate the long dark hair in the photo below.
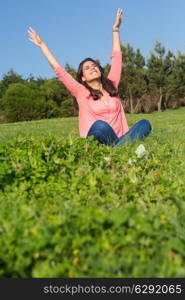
(106, 83)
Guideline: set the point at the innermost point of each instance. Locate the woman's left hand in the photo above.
(119, 17)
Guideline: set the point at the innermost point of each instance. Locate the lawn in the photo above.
(71, 209)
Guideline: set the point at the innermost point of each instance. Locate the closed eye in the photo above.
(88, 67)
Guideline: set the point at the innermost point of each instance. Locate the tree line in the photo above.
(146, 85)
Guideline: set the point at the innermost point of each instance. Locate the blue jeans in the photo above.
(104, 134)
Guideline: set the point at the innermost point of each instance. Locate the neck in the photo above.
(96, 85)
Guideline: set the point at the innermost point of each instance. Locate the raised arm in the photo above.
(70, 83)
(36, 39)
(116, 64)
(115, 31)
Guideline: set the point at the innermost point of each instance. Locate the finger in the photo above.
(30, 32)
(34, 42)
(31, 40)
(31, 29)
(120, 14)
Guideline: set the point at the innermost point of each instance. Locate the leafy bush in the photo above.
(22, 102)
(70, 208)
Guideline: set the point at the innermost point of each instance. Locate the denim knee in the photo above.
(99, 125)
(102, 132)
(145, 123)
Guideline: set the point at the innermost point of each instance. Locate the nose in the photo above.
(93, 68)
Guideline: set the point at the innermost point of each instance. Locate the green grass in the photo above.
(39, 129)
(165, 124)
(71, 209)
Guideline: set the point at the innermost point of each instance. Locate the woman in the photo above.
(101, 114)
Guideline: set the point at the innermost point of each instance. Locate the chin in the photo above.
(95, 77)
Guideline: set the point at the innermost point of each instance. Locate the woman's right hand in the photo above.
(34, 37)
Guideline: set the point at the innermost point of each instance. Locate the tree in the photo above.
(53, 90)
(160, 68)
(179, 76)
(132, 83)
(8, 79)
(168, 64)
(23, 103)
(38, 81)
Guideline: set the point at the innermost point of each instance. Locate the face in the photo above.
(90, 71)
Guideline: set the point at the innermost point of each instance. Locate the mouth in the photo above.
(93, 72)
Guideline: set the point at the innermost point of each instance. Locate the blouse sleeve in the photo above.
(72, 85)
(116, 68)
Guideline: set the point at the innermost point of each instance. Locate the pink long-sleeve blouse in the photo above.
(109, 110)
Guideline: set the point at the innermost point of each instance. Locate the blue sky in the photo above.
(75, 29)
